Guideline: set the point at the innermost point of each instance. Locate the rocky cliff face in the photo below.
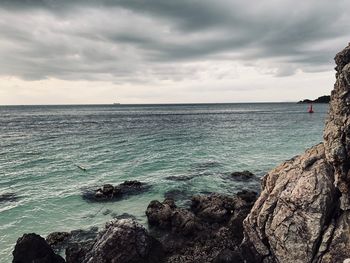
(302, 214)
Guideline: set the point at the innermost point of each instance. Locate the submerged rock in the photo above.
(244, 175)
(8, 197)
(109, 192)
(33, 248)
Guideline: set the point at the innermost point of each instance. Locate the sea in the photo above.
(178, 150)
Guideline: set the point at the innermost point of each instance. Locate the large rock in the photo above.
(122, 241)
(302, 214)
(109, 192)
(286, 222)
(337, 130)
(210, 231)
(32, 248)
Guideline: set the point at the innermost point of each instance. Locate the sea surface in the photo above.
(179, 149)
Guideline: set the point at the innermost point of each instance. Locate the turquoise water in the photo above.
(41, 146)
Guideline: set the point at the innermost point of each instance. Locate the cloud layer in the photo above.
(138, 41)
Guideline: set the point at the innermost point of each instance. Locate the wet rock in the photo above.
(109, 192)
(124, 216)
(123, 241)
(180, 177)
(59, 241)
(8, 197)
(201, 233)
(213, 208)
(244, 175)
(177, 194)
(33, 248)
(56, 238)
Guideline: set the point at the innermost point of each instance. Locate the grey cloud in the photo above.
(126, 39)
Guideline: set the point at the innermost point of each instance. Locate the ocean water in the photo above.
(41, 147)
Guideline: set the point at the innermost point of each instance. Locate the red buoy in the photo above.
(310, 110)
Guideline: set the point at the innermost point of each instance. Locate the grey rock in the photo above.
(123, 241)
(303, 212)
(287, 220)
(337, 129)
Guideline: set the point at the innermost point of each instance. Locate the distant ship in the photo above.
(116, 103)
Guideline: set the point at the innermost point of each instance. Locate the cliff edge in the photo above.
(303, 212)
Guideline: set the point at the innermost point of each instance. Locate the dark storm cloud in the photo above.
(136, 39)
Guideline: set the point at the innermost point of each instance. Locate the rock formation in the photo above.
(210, 231)
(33, 248)
(109, 192)
(302, 214)
(122, 241)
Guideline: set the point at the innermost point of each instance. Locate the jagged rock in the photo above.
(337, 249)
(302, 214)
(33, 248)
(213, 208)
(286, 222)
(59, 241)
(124, 241)
(55, 238)
(109, 192)
(337, 130)
(212, 226)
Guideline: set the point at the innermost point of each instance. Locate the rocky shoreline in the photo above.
(302, 214)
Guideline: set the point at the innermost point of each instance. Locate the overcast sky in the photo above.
(168, 51)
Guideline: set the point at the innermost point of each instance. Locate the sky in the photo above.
(168, 51)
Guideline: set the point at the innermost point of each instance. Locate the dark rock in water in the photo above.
(213, 208)
(245, 175)
(124, 216)
(109, 192)
(211, 227)
(177, 194)
(106, 212)
(56, 238)
(121, 241)
(180, 177)
(248, 196)
(59, 241)
(33, 248)
(8, 197)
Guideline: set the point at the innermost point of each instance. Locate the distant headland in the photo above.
(322, 99)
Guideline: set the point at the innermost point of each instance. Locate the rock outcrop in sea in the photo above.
(303, 212)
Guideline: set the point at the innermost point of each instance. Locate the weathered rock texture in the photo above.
(337, 131)
(210, 231)
(302, 214)
(122, 241)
